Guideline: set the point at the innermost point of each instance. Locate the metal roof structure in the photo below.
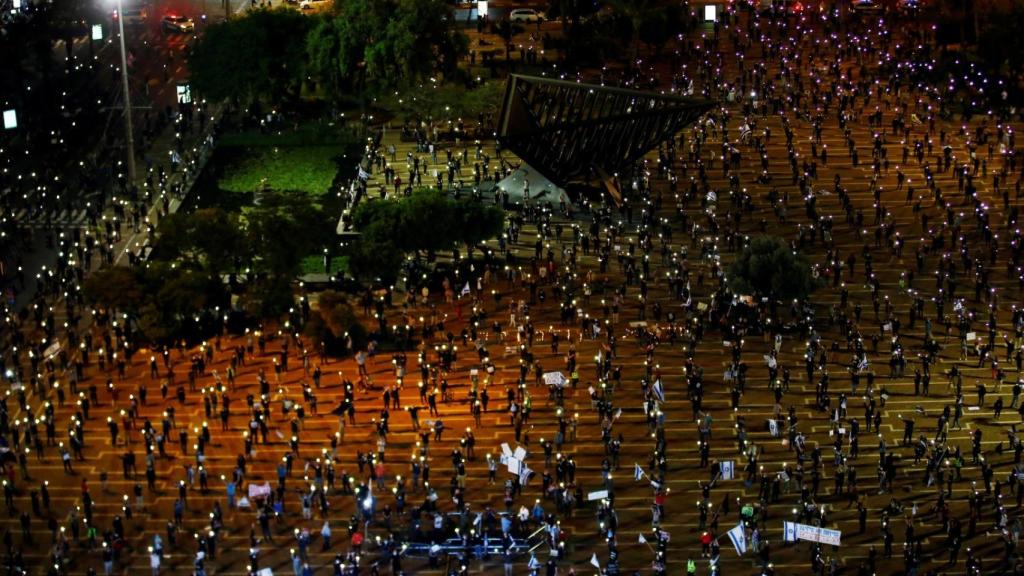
(569, 130)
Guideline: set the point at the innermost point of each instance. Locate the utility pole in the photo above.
(129, 133)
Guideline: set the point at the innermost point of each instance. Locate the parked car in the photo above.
(173, 23)
(527, 15)
(132, 13)
(867, 6)
(311, 4)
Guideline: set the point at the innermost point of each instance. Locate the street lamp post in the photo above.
(129, 133)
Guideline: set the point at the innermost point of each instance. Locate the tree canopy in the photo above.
(259, 54)
(209, 237)
(447, 100)
(427, 220)
(334, 323)
(363, 47)
(379, 45)
(768, 267)
(195, 252)
(999, 39)
(164, 299)
(284, 229)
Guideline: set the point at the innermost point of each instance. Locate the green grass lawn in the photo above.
(310, 169)
(297, 161)
(315, 265)
(303, 158)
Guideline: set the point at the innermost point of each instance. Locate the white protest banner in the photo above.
(52, 350)
(259, 490)
(812, 534)
(807, 532)
(598, 495)
(554, 379)
(828, 536)
(520, 453)
(505, 449)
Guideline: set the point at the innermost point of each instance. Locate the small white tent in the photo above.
(541, 190)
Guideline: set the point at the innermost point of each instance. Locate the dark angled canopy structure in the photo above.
(566, 129)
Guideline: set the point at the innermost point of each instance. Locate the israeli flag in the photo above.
(638, 472)
(863, 364)
(728, 470)
(773, 427)
(739, 539)
(789, 531)
(659, 392)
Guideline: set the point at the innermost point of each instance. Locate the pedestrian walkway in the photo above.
(434, 161)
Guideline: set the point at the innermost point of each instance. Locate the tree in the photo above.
(375, 261)
(448, 101)
(505, 30)
(268, 296)
(183, 302)
(334, 322)
(261, 54)
(283, 230)
(115, 287)
(999, 42)
(428, 220)
(570, 12)
(329, 60)
(768, 267)
(168, 301)
(209, 237)
(636, 12)
(659, 26)
(377, 46)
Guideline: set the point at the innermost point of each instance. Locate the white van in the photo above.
(134, 13)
